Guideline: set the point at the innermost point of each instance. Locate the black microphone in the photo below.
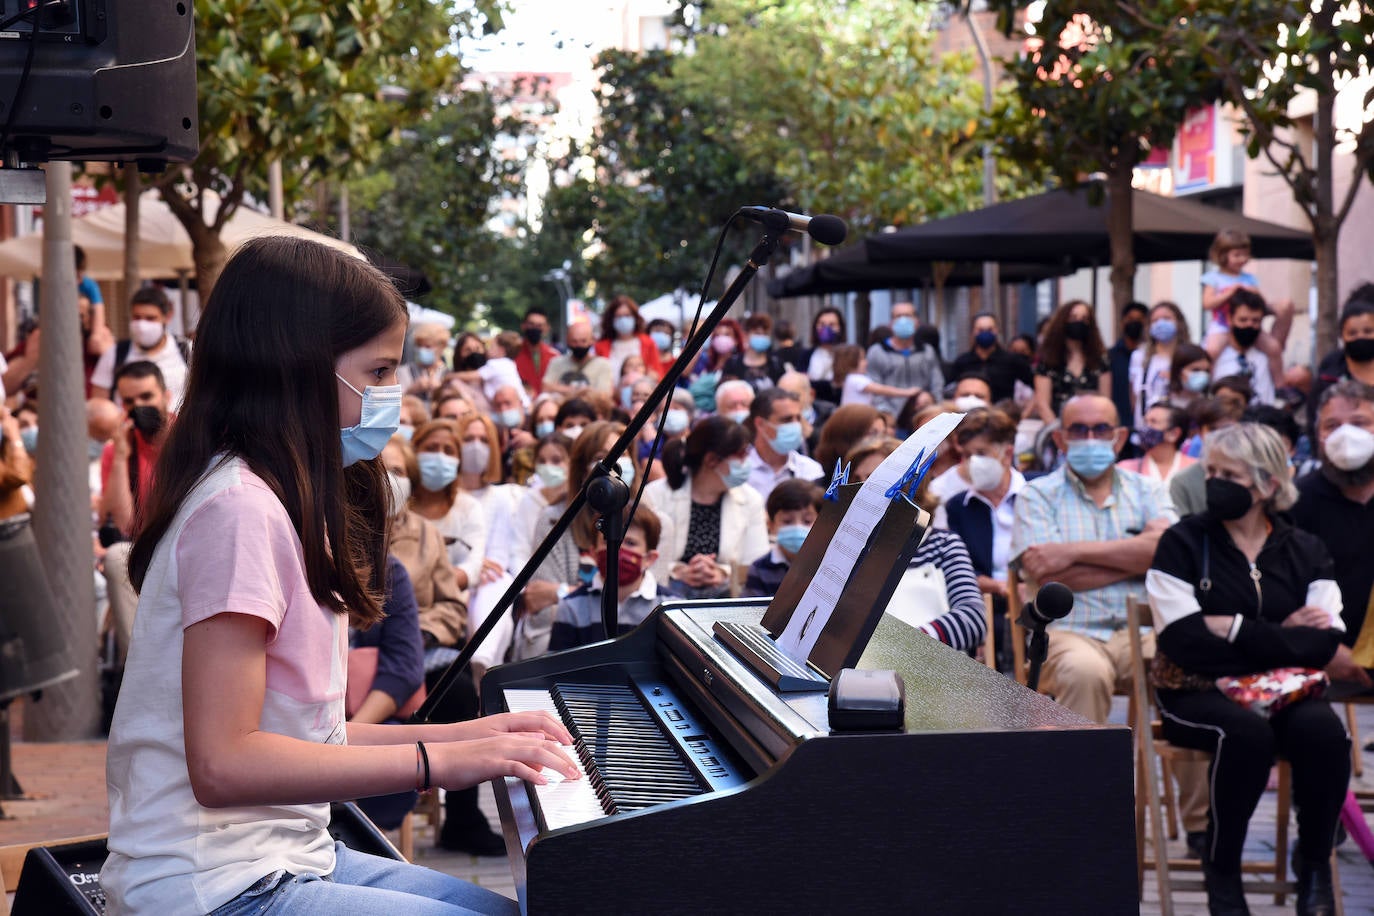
(824, 228)
(1053, 602)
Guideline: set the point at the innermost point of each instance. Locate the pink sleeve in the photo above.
(238, 553)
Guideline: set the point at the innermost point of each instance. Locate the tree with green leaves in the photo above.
(427, 200)
(1094, 94)
(851, 104)
(301, 81)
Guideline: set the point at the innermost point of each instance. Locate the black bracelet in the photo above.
(424, 756)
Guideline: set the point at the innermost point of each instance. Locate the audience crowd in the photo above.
(1119, 469)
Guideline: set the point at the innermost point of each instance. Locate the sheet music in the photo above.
(823, 593)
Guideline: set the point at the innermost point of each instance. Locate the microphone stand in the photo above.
(604, 490)
(1036, 652)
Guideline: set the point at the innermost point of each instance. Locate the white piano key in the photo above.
(562, 802)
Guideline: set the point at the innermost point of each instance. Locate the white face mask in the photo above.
(969, 402)
(146, 333)
(1349, 447)
(572, 432)
(985, 472)
(400, 491)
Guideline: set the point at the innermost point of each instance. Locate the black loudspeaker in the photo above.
(108, 80)
(33, 653)
(65, 880)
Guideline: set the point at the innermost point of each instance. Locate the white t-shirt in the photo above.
(1255, 366)
(622, 350)
(465, 535)
(230, 548)
(1149, 384)
(499, 373)
(822, 365)
(854, 390)
(168, 359)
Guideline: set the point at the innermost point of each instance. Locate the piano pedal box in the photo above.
(863, 700)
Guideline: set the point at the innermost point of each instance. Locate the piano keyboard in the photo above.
(636, 747)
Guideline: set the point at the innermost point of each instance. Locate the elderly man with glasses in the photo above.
(1093, 527)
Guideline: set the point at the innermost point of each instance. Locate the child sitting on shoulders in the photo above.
(793, 507)
(577, 618)
(1230, 253)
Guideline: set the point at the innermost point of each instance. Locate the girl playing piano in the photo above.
(264, 539)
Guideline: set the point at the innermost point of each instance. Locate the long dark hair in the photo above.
(262, 388)
(1054, 345)
(719, 436)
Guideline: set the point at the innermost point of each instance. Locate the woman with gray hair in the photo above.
(1237, 590)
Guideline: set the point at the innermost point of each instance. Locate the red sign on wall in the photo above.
(1197, 148)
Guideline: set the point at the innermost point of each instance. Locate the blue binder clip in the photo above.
(837, 480)
(910, 482)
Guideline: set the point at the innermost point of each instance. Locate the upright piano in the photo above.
(707, 791)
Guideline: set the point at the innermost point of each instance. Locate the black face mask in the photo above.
(533, 335)
(1227, 500)
(1360, 350)
(579, 353)
(1245, 337)
(1133, 329)
(473, 361)
(1076, 330)
(148, 420)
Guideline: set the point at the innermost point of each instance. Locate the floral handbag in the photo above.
(1267, 692)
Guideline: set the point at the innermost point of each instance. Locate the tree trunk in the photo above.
(1121, 234)
(1325, 240)
(209, 254)
(1326, 230)
(69, 711)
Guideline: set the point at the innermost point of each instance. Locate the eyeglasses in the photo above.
(1084, 431)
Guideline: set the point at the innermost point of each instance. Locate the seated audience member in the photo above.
(580, 369)
(986, 359)
(757, 364)
(793, 507)
(14, 466)
(577, 618)
(717, 519)
(573, 416)
(1235, 392)
(775, 456)
(814, 412)
(1190, 375)
(541, 420)
(845, 428)
(1336, 504)
(662, 332)
(1161, 437)
(533, 358)
(734, 399)
(979, 422)
(414, 412)
(1354, 359)
(396, 675)
(953, 613)
(623, 334)
(1094, 528)
(971, 391)
(441, 448)
(450, 404)
(1187, 489)
(1213, 620)
(423, 375)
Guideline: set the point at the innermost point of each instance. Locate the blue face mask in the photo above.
(424, 356)
(1163, 329)
(94, 449)
(406, 432)
(510, 418)
(661, 339)
(1090, 458)
(543, 428)
(985, 339)
(738, 473)
(624, 325)
(627, 396)
(788, 438)
(676, 421)
(904, 328)
(760, 343)
(437, 470)
(1198, 380)
(29, 436)
(739, 416)
(626, 468)
(378, 422)
(791, 537)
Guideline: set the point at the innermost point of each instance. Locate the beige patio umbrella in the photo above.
(165, 248)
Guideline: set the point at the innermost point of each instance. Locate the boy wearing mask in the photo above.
(577, 619)
(793, 507)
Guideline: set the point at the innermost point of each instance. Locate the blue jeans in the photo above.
(366, 885)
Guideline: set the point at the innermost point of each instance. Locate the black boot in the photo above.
(1225, 894)
(1316, 896)
(465, 827)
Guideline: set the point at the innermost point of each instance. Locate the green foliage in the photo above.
(661, 186)
(851, 103)
(427, 200)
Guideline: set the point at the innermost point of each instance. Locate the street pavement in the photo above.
(65, 785)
